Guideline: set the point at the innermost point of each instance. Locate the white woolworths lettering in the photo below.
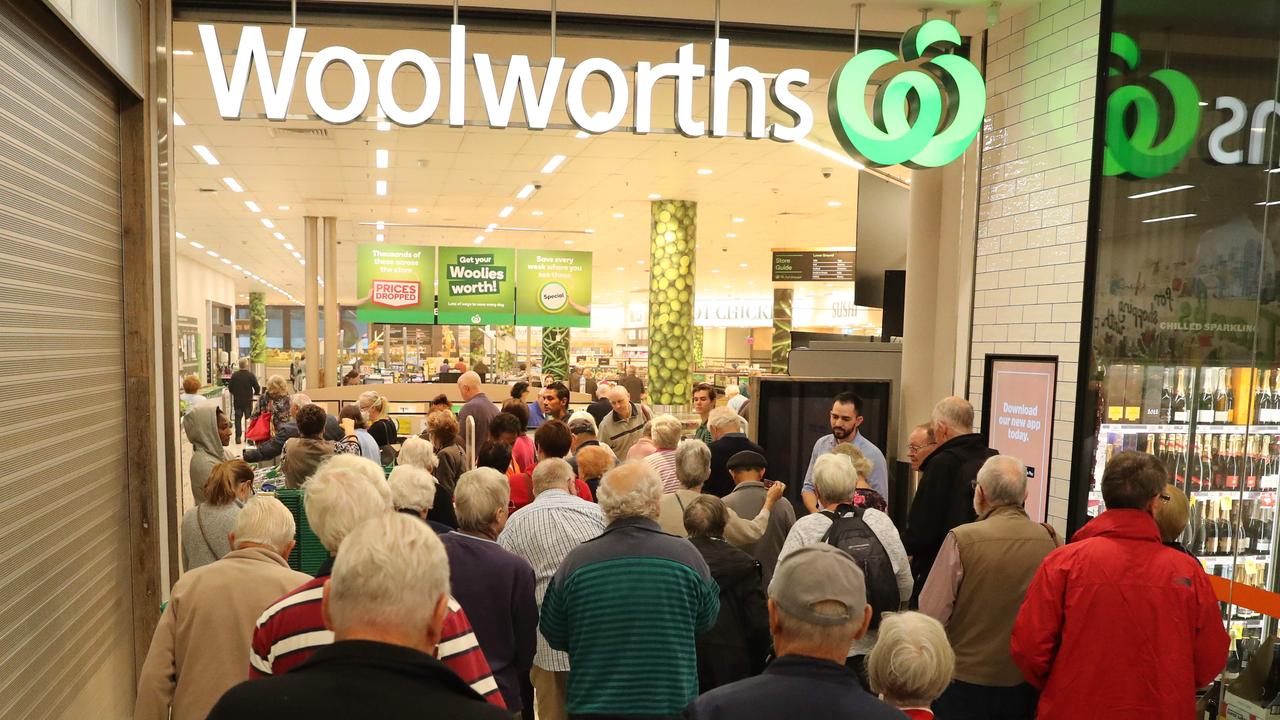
(1239, 114)
(277, 92)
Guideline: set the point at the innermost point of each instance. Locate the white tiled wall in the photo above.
(1033, 203)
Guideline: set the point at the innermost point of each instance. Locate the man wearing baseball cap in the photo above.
(817, 608)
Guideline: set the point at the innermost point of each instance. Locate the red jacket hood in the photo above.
(1121, 524)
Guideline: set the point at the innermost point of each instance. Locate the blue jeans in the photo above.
(965, 701)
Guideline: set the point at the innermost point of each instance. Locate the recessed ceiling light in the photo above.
(621, 269)
(237, 267)
(552, 164)
(739, 220)
(704, 171)
(380, 187)
(412, 210)
(211, 253)
(742, 264)
(205, 154)
(381, 158)
(278, 235)
(179, 235)
(231, 183)
(640, 262)
(715, 270)
(536, 213)
(380, 225)
(506, 211)
(282, 207)
(288, 246)
(380, 237)
(384, 126)
(226, 261)
(618, 216)
(751, 282)
(731, 235)
(655, 196)
(303, 263)
(268, 224)
(479, 239)
(589, 231)
(184, 52)
(833, 203)
(490, 227)
(253, 206)
(196, 245)
(297, 254)
(177, 120)
(581, 135)
(525, 192)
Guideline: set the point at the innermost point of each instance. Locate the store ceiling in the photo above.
(760, 194)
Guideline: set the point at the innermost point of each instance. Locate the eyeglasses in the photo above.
(1165, 498)
(918, 448)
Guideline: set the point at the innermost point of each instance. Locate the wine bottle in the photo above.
(1229, 388)
(1179, 464)
(1218, 460)
(1201, 520)
(1233, 462)
(1251, 463)
(1210, 529)
(1233, 657)
(1220, 415)
(1204, 410)
(1242, 536)
(1226, 534)
(1180, 399)
(1262, 400)
(1196, 471)
(1166, 400)
(1274, 415)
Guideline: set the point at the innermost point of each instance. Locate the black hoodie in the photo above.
(738, 645)
(943, 500)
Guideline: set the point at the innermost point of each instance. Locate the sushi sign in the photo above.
(947, 96)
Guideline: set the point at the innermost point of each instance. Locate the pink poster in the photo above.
(1020, 421)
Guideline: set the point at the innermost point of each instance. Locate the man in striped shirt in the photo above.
(543, 533)
(628, 605)
(344, 492)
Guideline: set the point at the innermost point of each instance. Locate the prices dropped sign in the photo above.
(477, 286)
(555, 288)
(390, 281)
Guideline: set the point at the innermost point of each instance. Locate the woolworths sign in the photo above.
(947, 102)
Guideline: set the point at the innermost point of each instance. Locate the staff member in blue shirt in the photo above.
(846, 418)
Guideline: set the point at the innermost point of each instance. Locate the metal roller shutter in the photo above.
(65, 622)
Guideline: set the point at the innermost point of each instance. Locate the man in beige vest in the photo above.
(975, 589)
(200, 646)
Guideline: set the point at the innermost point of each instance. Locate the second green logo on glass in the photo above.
(891, 138)
(1137, 153)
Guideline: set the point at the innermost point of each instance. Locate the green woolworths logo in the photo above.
(1137, 153)
(891, 138)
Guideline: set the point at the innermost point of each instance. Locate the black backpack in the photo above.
(851, 534)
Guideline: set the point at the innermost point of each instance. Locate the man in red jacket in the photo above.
(1115, 624)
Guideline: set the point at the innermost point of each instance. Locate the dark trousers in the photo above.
(242, 413)
(965, 701)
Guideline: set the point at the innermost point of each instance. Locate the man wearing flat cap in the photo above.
(817, 608)
(747, 468)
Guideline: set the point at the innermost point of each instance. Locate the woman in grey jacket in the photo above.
(205, 526)
(209, 431)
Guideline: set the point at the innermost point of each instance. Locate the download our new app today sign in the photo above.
(394, 284)
(477, 286)
(554, 288)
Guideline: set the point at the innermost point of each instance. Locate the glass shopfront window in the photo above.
(1183, 355)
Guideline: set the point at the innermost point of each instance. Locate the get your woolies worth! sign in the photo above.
(477, 286)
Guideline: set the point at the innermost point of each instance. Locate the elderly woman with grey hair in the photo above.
(693, 465)
(419, 453)
(834, 482)
(738, 645)
(912, 663)
(665, 431)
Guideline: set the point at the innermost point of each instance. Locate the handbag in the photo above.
(260, 429)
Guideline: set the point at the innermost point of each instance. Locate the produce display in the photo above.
(505, 343)
(672, 251)
(257, 327)
(475, 345)
(555, 352)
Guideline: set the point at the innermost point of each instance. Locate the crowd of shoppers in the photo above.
(679, 582)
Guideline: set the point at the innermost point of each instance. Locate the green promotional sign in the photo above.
(891, 138)
(1137, 153)
(477, 286)
(555, 288)
(393, 283)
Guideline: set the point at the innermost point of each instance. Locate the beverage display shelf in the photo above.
(1230, 559)
(1233, 494)
(1184, 428)
(1247, 622)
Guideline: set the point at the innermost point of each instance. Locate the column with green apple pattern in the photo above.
(672, 253)
(258, 331)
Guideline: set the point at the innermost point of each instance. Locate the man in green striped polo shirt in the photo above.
(627, 607)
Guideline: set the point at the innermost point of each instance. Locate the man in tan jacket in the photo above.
(200, 646)
(975, 589)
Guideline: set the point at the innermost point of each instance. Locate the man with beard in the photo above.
(846, 418)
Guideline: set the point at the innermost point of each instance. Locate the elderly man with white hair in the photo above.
(728, 438)
(817, 608)
(543, 533)
(976, 587)
(476, 405)
(889, 587)
(628, 606)
(665, 431)
(693, 464)
(493, 585)
(385, 605)
(622, 427)
(944, 497)
(413, 492)
(344, 492)
(199, 647)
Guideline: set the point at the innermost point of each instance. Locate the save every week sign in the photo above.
(475, 286)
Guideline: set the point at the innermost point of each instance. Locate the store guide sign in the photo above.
(1135, 117)
(917, 119)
